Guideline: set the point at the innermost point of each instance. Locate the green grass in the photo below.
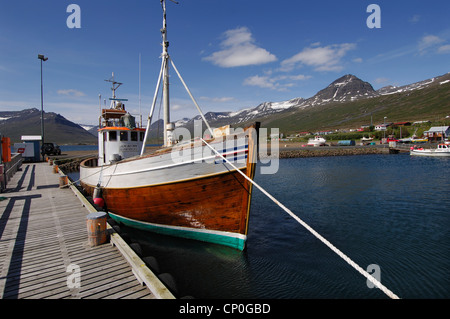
(431, 103)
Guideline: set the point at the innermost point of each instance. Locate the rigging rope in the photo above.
(310, 229)
(150, 115)
(192, 97)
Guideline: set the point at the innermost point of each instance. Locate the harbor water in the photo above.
(385, 212)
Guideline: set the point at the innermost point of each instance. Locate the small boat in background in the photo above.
(317, 141)
(415, 139)
(441, 150)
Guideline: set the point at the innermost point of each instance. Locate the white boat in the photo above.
(191, 189)
(419, 139)
(366, 139)
(405, 140)
(440, 150)
(317, 141)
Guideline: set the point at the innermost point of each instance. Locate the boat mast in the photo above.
(114, 86)
(165, 57)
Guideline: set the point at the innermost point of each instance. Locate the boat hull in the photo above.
(206, 200)
(429, 153)
(213, 209)
(232, 240)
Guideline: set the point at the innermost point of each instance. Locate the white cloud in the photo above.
(71, 93)
(428, 42)
(299, 77)
(415, 18)
(238, 49)
(325, 58)
(260, 81)
(217, 99)
(381, 80)
(444, 49)
(275, 83)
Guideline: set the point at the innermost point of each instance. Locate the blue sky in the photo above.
(233, 54)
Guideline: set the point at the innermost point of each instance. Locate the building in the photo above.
(436, 133)
(402, 124)
(323, 133)
(381, 127)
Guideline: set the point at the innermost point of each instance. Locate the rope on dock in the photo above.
(310, 229)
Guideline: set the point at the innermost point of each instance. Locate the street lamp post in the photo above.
(43, 59)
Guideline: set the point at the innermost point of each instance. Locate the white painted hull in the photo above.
(317, 141)
(430, 153)
(166, 168)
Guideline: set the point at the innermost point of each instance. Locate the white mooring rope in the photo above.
(304, 224)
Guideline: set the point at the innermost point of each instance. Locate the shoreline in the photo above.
(286, 151)
(297, 151)
(327, 151)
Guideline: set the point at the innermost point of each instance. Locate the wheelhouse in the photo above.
(118, 136)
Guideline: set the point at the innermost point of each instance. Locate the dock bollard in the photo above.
(63, 181)
(96, 227)
(55, 169)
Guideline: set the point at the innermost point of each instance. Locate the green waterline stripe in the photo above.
(229, 239)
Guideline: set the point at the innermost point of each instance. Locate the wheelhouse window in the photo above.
(112, 136)
(134, 136)
(141, 136)
(123, 136)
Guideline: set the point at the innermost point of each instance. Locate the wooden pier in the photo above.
(44, 249)
(395, 148)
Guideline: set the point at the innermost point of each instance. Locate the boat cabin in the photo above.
(118, 136)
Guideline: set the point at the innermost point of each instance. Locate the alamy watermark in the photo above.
(374, 19)
(234, 147)
(74, 19)
(375, 271)
(74, 279)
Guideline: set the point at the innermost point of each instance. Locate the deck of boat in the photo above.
(43, 231)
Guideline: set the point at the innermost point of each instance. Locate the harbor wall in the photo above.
(328, 151)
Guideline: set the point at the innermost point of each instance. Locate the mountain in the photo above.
(346, 88)
(347, 102)
(332, 106)
(57, 129)
(425, 100)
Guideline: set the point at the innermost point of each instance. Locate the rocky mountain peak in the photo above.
(345, 88)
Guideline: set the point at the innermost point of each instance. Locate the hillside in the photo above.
(410, 103)
(347, 102)
(57, 129)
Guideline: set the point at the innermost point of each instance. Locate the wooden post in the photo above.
(63, 181)
(96, 226)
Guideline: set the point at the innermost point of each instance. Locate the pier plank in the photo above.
(42, 231)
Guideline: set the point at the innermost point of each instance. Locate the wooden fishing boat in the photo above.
(190, 189)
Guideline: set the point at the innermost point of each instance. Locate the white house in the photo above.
(381, 127)
(436, 132)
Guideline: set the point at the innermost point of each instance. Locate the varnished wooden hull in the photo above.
(211, 207)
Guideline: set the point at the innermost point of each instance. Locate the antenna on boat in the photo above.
(114, 86)
(140, 114)
(100, 110)
(165, 57)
